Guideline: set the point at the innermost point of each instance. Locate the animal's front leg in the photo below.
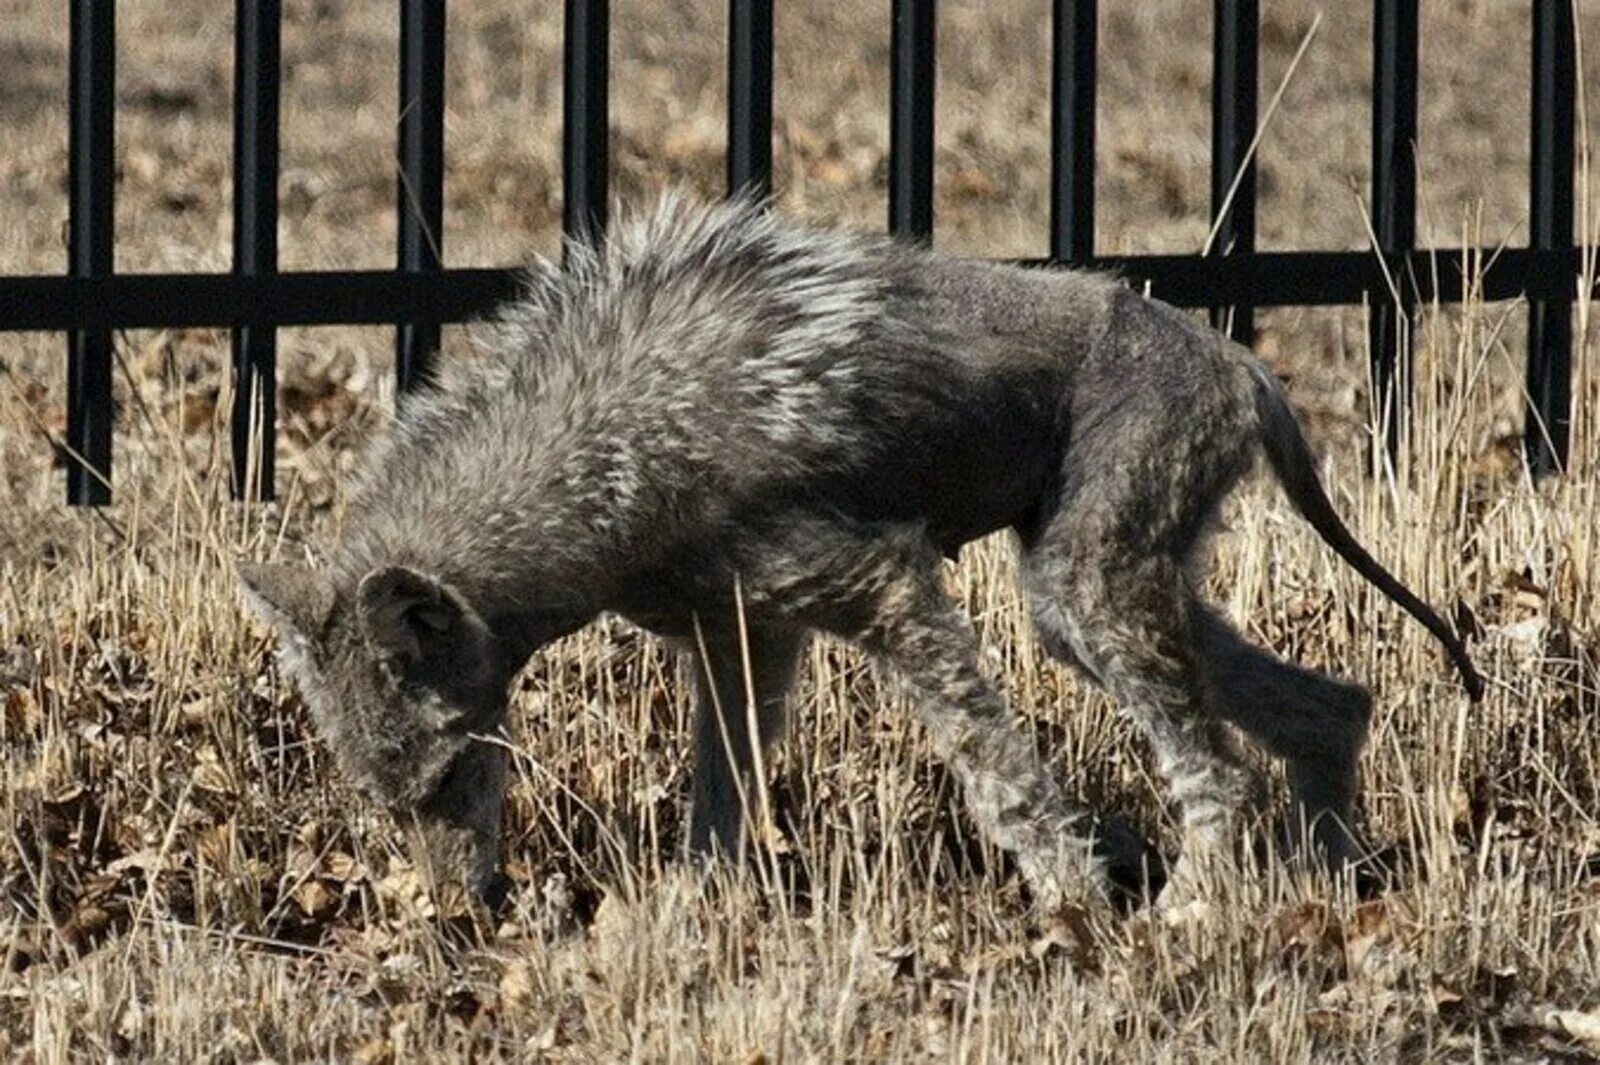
(735, 680)
(1123, 619)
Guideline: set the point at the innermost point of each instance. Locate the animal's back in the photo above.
(708, 361)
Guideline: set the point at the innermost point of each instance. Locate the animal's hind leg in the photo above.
(725, 751)
(1106, 574)
(1124, 624)
(1316, 724)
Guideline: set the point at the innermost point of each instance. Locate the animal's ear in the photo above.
(296, 600)
(413, 617)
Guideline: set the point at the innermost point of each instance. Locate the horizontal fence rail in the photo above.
(90, 302)
(383, 297)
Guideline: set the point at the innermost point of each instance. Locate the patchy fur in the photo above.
(719, 397)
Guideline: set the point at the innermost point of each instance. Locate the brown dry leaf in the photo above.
(314, 898)
(147, 861)
(1071, 933)
(22, 712)
(1524, 589)
(902, 960)
(999, 955)
(197, 712)
(88, 925)
(1444, 997)
(91, 919)
(542, 1043)
(303, 857)
(344, 867)
(1371, 925)
(516, 984)
(1306, 927)
(217, 843)
(211, 775)
(452, 901)
(1324, 1019)
(405, 889)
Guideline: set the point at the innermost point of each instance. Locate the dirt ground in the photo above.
(183, 875)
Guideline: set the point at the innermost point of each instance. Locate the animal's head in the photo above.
(400, 673)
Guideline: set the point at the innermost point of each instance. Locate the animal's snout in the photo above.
(455, 833)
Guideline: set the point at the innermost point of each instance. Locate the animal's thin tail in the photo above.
(1295, 468)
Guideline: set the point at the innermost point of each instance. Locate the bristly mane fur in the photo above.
(617, 353)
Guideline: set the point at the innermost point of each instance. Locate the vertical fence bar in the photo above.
(1233, 125)
(1547, 425)
(750, 97)
(256, 67)
(91, 170)
(420, 195)
(911, 120)
(1074, 28)
(584, 116)
(1394, 202)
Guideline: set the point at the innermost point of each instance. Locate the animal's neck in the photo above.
(519, 636)
(516, 569)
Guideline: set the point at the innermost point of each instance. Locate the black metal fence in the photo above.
(91, 301)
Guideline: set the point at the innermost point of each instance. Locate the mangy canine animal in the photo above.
(721, 410)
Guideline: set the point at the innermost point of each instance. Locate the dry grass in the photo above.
(185, 878)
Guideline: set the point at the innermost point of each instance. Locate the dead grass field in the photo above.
(183, 877)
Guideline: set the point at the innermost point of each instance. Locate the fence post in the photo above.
(1233, 126)
(256, 69)
(1394, 206)
(1074, 27)
(1547, 424)
(750, 98)
(420, 195)
(585, 112)
(911, 89)
(91, 170)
